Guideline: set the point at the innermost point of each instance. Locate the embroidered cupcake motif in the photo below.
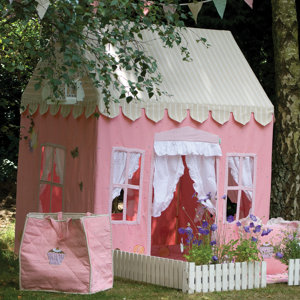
(55, 256)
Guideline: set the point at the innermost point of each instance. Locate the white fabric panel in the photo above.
(119, 165)
(167, 171)
(186, 148)
(247, 173)
(202, 172)
(119, 169)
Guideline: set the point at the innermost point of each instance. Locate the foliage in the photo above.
(98, 40)
(18, 43)
(199, 246)
(288, 248)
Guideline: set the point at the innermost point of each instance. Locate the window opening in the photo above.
(127, 165)
(240, 186)
(51, 182)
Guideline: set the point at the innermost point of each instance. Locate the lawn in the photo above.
(123, 289)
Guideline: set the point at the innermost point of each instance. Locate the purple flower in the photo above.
(257, 229)
(279, 255)
(199, 242)
(181, 230)
(251, 225)
(214, 258)
(230, 219)
(253, 218)
(203, 231)
(247, 229)
(204, 224)
(213, 227)
(208, 195)
(238, 223)
(224, 197)
(189, 230)
(254, 239)
(212, 243)
(266, 232)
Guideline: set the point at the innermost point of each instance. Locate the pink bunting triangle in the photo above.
(249, 2)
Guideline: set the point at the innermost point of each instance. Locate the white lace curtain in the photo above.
(200, 160)
(119, 168)
(203, 173)
(167, 171)
(247, 175)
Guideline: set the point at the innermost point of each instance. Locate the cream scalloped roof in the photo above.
(219, 80)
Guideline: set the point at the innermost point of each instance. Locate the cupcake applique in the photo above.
(55, 256)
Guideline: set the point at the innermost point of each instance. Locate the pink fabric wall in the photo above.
(67, 132)
(122, 132)
(95, 139)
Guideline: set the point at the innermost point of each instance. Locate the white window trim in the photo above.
(127, 186)
(51, 183)
(47, 94)
(239, 187)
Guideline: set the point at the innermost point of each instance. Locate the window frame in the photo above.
(51, 183)
(239, 187)
(125, 186)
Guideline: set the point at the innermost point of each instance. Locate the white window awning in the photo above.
(186, 148)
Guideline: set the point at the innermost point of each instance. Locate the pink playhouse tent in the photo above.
(141, 163)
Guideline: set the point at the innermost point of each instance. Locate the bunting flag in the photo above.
(169, 9)
(220, 6)
(249, 2)
(195, 8)
(42, 7)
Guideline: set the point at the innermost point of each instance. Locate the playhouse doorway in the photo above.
(165, 239)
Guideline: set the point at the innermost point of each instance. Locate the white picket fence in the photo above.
(188, 277)
(294, 272)
(150, 269)
(225, 277)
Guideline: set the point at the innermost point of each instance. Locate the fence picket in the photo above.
(237, 276)
(205, 278)
(175, 282)
(161, 274)
(225, 277)
(296, 278)
(250, 274)
(231, 276)
(218, 278)
(185, 277)
(198, 281)
(191, 278)
(211, 286)
(257, 268)
(244, 275)
(181, 274)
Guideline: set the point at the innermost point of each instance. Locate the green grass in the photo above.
(123, 289)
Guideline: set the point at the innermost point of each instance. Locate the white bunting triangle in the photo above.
(195, 8)
(42, 7)
(169, 9)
